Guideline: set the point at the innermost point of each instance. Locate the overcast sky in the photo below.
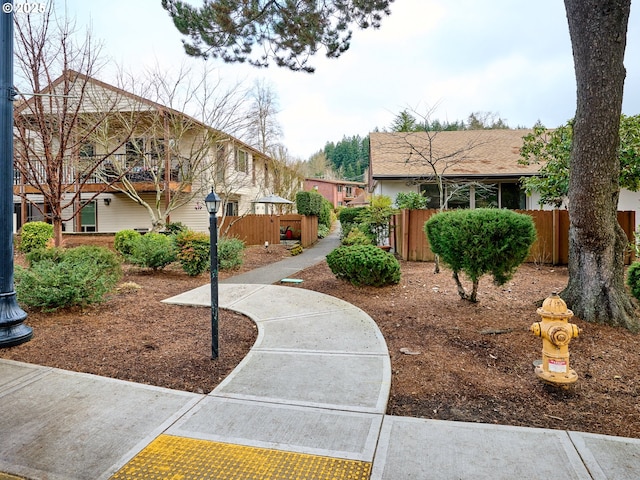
(509, 57)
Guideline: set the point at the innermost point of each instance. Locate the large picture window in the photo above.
(486, 195)
(512, 196)
(432, 193)
(490, 195)
(458, 196)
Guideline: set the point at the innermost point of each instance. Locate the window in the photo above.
(491, 195)
(349, 192)
(339, 188)
(88, 217)
(432, 193)
(232, 209)
(458, 196)
(34, 214)
(242, 161)
(220, 162)
(87, 150)
(486, 195)
(512, 196)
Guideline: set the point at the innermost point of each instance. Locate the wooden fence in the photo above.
(552, 245)
(304, 228)
(257, 229)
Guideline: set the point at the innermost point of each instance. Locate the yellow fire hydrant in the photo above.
(556, 334)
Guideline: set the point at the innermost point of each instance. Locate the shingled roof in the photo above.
(464, 153)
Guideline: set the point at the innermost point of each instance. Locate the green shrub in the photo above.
(230, 253)
(309, 203)
(60, 278)
(124, 241)
(326, 209)
(349, 214)
(633, 279)
(323, 231)
(193, 252)
(175, 228)
(53, 254)
(481, 241)
(356, 237)
(35, 235)
(349, 218)
(153, 250)
(411, 201)
(364, 265)
(374, 219)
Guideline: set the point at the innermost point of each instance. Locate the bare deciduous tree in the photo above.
(52, 119)
(264, 132)
(288, 174)
(178, 157)
(423, 151)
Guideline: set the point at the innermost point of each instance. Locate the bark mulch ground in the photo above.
(451, 360)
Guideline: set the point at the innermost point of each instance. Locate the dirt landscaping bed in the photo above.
(451, 360)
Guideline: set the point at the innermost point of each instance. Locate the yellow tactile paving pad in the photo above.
(178, 458)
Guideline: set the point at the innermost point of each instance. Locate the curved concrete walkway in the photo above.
(320, 366)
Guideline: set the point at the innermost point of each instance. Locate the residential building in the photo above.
(133, 163)
(338, 192)
(478, 168)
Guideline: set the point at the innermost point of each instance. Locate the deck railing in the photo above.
(143, 168)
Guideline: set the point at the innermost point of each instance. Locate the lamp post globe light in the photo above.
(12, 329)
(212, 201)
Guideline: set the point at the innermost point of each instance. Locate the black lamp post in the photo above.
(213, 203)
(12, 329)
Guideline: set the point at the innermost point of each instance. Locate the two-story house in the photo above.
(127, 162)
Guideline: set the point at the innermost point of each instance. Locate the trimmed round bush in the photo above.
(60, 278)
(481, 241)
(364, 265)
(230, 253)
(633, 279)
(124, 241)
(153, 250)
(193, 252)
(35, 235)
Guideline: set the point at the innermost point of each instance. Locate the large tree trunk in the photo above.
(596, 290)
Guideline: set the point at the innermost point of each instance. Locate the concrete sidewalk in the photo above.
(307, 402)
(275, 272)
